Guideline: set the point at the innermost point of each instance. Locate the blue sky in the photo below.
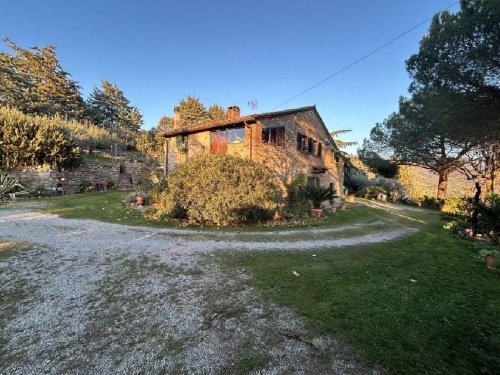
(231, 52)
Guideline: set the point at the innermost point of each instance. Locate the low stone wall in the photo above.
(125, 175)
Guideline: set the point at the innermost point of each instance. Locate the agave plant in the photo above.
(317, 194)
(11, 187)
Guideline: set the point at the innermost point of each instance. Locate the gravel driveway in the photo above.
(81, 296)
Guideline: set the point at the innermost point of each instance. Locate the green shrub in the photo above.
(130, 198)
(483, 249)
(86, 186)
(34, 140)
(220, 189)
(371, 192)
(85, 134)
(356, 180)
(489, 217)
(456, 226)
(297, 203)
(429, 202)
(455, 206)
(111, 185)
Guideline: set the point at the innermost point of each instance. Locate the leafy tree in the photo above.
(217, 113)
(192, 111)
(459, 56)
(149, 143)
(460, 52)
(419, 135)
(455, 104)
(483, 163)
(33, 81)
(109, 108)
(376, 164)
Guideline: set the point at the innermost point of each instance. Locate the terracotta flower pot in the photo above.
(333, 210)
(277, 216)
(490, 261)
(140, 200)
(342, 207)
(316, 213)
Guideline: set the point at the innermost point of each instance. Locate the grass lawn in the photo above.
(418, 305)
(109, 207)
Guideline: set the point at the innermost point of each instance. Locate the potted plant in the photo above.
(490, 260)
(317, 195)
(140, 199)
(142, 192)
(277, 216)
(342, 204)
(487, 252)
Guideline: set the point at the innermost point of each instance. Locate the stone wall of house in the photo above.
(284, 162)
(125, 175)
(199, 143)
(287, 162)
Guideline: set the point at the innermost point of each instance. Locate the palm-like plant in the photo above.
(340, 143)
(317, 194)
(11, 187)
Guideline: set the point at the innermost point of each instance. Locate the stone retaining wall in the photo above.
(125, 175)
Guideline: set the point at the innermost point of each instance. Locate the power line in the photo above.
(361, 58)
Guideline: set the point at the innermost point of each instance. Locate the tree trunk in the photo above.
(442, 185)
(493, 171)
(165, 156)
(475, 212)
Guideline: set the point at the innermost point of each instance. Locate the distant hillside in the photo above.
(418, 182)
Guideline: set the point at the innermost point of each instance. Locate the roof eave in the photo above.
(206, 126)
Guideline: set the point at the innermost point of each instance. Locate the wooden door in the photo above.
(218, 141)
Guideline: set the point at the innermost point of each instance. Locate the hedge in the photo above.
(220, 189)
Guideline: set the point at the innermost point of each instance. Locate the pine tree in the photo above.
(164, 123)
(33, 81)
(192, 111)
(217, 113)
(109, 108)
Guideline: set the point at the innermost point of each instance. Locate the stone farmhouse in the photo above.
(287, 142)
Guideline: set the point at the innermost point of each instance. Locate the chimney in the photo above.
(233, 112)
(177, 117)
